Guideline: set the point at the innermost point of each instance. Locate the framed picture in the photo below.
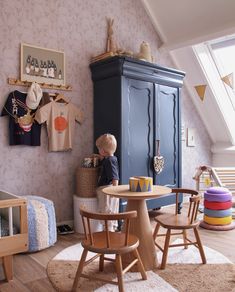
(42, 65)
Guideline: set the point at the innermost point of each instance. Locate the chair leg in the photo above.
(8, 267)
(201, 250)
(118, 263)
(156, 231)
(79, 270)
(140, 265)
(101, 263)
(184, 237)
(166, 247)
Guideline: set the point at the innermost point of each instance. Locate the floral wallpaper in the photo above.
(78, 28)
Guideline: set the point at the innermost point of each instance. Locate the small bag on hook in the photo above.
(158, 160)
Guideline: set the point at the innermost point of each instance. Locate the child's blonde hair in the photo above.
(107, 142)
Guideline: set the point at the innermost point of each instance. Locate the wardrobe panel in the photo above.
(137, 129)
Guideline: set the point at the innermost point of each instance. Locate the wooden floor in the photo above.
(30, 269)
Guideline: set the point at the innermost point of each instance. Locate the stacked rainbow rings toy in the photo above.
(217, 209)
(140, 184)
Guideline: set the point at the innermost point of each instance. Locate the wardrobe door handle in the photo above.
(158, 160)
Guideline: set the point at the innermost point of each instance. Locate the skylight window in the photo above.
(217, 60)
(223, 53)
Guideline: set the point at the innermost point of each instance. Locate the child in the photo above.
(107, 145)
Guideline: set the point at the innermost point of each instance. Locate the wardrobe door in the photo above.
(167, 117)
(137, 129)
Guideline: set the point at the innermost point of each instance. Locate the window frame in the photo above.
(218, 89)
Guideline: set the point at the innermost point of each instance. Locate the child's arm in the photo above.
(100, 157)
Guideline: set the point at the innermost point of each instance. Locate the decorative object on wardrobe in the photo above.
(201, 91)
(111, 46)
(17, 82)
(42, 65)
(145, 52)
(102, 56)
(138, 102)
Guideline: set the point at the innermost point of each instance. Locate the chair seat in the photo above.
(173, 221)
(117, 243)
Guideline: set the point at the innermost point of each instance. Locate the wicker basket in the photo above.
(86, 181)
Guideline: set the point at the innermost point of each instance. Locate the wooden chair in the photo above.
(107, 242)
(182, 223)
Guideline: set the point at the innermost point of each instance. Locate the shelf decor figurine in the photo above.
(111, 46)
(145, 52)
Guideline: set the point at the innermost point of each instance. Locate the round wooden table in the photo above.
(140, 226)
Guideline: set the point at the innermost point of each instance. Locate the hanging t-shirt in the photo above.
(23, 129)
(60, 119)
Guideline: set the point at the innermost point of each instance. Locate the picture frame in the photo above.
(41, 65)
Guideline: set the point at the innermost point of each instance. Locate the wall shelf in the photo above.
(14, 81)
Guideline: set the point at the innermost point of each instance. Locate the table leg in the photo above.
(141, 227)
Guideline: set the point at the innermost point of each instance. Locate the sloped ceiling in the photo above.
(185, 22)
(181, 24)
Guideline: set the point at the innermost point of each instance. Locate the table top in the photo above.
(123, 191)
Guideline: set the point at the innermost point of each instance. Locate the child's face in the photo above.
(102, 152)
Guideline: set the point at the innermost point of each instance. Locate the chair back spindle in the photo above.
(193, 207)
(107, 233)
(84, 227)
(176, 202)
(127, 231)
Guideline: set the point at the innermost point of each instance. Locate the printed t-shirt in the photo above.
(60, 119)
(109, 171)
(23, 129)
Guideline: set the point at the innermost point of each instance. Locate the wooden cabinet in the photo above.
(139, 103)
